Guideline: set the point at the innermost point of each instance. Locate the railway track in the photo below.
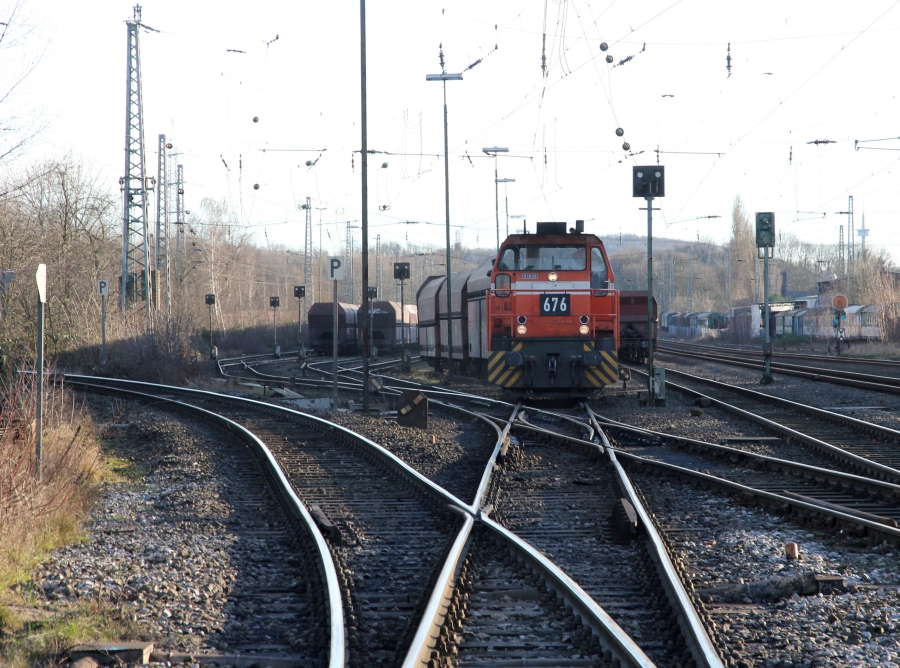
(855, 445)
(309, 611)
(520, 563)
(387, 549)
(755, 352)
(875, 383)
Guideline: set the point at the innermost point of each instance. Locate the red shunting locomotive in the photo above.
(542, 318)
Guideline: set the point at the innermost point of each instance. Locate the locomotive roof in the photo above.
(562, 239)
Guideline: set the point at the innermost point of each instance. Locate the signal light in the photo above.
(648, 181)
(521, 330)
(583, 330)
(765, 230)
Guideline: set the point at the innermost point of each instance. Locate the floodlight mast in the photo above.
(444, 77)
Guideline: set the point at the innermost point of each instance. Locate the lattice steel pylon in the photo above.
(136, 273)
(162, 222)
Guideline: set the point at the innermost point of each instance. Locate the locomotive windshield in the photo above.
(546, 258)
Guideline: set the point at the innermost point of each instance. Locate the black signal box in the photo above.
(299, 291)
(274, 302)
(401, 271)
(648, 181)
(210, 299)
(765, 230)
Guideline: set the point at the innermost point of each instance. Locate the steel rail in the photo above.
(785, 501)
(864, 361)
(886, 471)
(427, 635)
(622, 646)
(801, 369)
(432, 621)
(693, 628)
(320, 423)
(871, 485)
(337, 657)
(850, 379)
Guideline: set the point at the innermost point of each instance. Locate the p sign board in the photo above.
(103, 288)
(336, 268)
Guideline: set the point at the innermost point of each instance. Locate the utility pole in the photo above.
(307, 258)
(364, 148)
(444, 77)
(494, 150)
(506, 200)
(179, 227)
(136, 267)
(162, 221)
(349, 293)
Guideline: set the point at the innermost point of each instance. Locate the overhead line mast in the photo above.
(136, 268)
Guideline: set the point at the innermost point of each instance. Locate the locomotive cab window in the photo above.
(502, 284)
(599, 273)
(543, 258)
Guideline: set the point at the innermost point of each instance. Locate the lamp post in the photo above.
(494, 150)
(506, 202)
(444, 77)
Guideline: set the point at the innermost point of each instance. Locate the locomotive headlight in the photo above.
(521, 329)
(552, 276)
(584, 329)
(521, 320)
(584, 320)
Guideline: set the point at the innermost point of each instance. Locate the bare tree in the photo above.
(19, 61)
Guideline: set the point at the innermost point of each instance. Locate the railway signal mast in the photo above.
(136, 268)
(765, 246)
(649, 182)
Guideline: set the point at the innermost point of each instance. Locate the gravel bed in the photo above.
(682, 418)
(182, 551)
(452, 451)
(724, 544)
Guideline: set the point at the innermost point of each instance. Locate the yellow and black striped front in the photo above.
(500, 373)
(577, 365)
(607, 372)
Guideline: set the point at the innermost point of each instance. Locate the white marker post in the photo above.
(335, 273)
(103, 291)
(41, 278)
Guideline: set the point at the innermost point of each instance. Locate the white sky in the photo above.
(801, 71)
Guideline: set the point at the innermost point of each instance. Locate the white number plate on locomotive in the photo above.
(555, 304)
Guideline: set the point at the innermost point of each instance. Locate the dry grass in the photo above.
(37, 516)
